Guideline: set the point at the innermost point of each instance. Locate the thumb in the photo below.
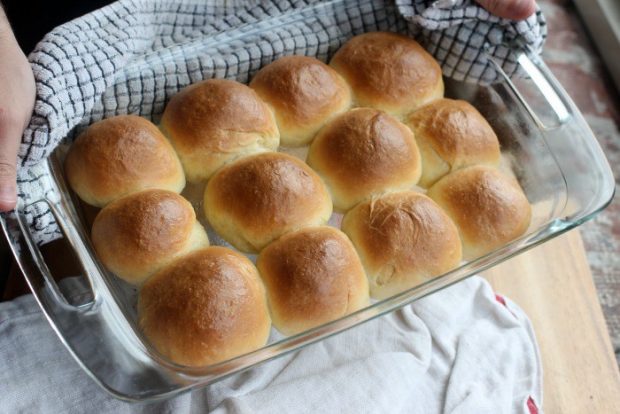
(10, 137)
(510, 9)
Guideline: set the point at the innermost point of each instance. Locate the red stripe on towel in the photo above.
(531, 405)
(500, 299)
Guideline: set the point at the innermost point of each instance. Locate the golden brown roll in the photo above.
(213, 122)
(204, 308)
(488, 208)
(120, 156)
(312, 276)
(304, 94)
(452, 134)
(257, 199)
(403, 239)
(136, 235)
(364, 152)
(389, 71)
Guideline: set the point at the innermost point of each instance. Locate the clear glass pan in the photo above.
(545, 142)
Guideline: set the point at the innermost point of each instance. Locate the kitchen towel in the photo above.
(461, 350)
(133, 55)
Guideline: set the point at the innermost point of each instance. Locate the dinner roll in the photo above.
(304, 93)
(488, 208)
(389, 71)
(136, 235)
(452, 134)
(120, 156)
(257, 199)
(213, 122)
(362, 153)
(403, 239)
(204, 308)
(312, 276)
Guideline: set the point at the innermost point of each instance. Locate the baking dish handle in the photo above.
(548, 87)
(95, 333)
(32, 263)
(588, 181)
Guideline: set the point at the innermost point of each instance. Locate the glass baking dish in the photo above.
(545, 143)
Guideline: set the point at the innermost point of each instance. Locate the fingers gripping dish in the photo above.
(205, 308)
(364, 152)
(213, 122)
(304, 93)
(403, 239)
(488, 208)
(388, 71)
(312, 276)
(452, 134)
(259, 198)
(120, 156)
(137, 235)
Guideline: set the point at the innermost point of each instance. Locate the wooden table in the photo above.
(553, 284)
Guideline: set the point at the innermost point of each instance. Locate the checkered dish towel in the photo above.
(80, 74)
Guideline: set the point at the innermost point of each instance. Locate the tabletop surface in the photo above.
(576, 63)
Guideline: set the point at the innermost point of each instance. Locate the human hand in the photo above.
(17, 94)
(510, 9)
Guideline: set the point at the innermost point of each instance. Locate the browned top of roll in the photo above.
(204, 308)
(203, 115)
(489, 208)
(312, 276)
(119, 155)
(267, 190)
(406, 231)
(302, 89)
(457, 132)
(136, 230)
(365, 148)
(389, 69)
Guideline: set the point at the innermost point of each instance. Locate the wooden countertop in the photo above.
(553, 285)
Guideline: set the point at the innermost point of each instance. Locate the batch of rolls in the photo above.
(377, 126)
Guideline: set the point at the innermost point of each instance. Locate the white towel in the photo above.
(461, 350)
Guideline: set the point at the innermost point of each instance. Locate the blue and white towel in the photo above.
(81, 67)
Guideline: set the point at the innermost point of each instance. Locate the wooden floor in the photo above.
(554, 286)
